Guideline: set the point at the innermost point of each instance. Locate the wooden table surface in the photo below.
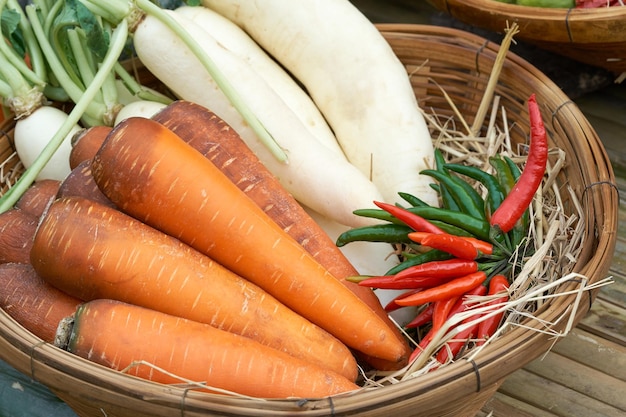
(584, 375)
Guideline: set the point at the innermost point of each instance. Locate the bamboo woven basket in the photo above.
(460, 63)
(593, 36)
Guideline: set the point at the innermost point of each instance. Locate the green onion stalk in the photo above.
(118, 41)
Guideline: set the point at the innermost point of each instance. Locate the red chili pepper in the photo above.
(453, 347)
(498, 284)
(389, 282)
(455, 287)
(520, 197)
(414, 221)
(418, 236)
(449, 268)
(425, 316)
(451, 244)
(461, 305)
(392, 306)
(484, 247)
(441, 310)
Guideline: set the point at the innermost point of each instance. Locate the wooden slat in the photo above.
(505, 406)
(583, 375)
(614, 293)
(558, 399)
(607, 320)
(581, 378)
(595, 352)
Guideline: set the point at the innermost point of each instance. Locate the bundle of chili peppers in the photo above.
(471, 245)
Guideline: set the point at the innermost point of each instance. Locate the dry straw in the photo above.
(574, 230)
(595, 36)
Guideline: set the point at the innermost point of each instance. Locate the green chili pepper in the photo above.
(477, 227)
(520, 230)
(440, 161)
(515, 170)
(472, 193)
(378, 214)
(412, 200)
(457, 192)
(495, 193)
(389, 233)
(503, 173)
(447, 201)
(451, 229)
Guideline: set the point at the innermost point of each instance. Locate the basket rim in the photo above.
(47, 363)
(568, 22)
(546, 13)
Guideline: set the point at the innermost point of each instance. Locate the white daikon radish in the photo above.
(356, 80)
(34, 132)
(233, 38)
(139, 108)
(369, 258)
(315, 175)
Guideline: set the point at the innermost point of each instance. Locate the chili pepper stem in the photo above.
(496, 235)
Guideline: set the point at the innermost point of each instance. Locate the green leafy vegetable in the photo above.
(11, 31)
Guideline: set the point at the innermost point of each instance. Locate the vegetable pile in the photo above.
(187, 235)
(470, 246)
(219, 236)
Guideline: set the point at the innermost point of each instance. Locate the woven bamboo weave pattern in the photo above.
(593, 36)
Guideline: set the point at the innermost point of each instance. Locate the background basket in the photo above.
(460, 63)
(593, 36)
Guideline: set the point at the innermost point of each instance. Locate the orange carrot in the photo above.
(176, 189)
(38, 196)
(213, 137)
(86, 143)
(17, 229)
(93, 251)
(137, 340)
(80, 183)
(32, 302)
